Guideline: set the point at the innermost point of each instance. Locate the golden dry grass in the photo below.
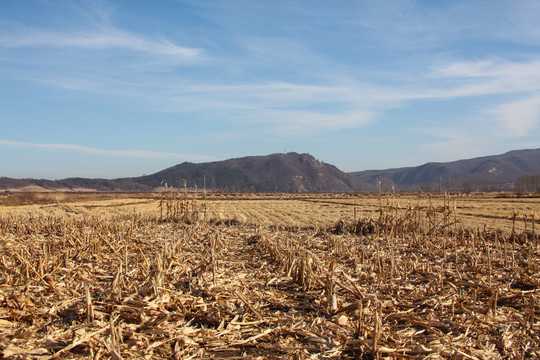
(302, 210)
(270, 276)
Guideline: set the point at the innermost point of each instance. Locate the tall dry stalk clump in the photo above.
(176, 206)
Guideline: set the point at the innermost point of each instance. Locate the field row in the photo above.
(302, 210)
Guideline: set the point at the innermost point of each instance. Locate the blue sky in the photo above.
(121, 88)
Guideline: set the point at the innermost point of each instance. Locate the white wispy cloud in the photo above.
(298, 110)
(451, 144)
(487, 77)
(513, 116)
(323, 97)
(100, 38)
(138, 154)
(89, 40)
(518, 118)
(489, 128)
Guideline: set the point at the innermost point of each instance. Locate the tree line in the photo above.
(528, 184)
(524, 184)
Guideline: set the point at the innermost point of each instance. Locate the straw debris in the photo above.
(401, 283)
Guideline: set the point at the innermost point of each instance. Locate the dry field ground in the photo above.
(179, 276)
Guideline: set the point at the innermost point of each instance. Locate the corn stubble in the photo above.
(403, 283)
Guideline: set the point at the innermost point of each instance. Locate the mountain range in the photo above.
(497, 172)
(293, 172)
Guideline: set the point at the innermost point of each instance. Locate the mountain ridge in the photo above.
(294, 172)
(478, 173)
(291, 172)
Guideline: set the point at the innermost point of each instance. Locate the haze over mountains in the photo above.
(293, 172)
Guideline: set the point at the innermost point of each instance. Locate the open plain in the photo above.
(299, 276)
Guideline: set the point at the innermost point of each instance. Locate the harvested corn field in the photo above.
(273, 276)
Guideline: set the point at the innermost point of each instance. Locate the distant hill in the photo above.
(72, 184)
(289, 172)
(482, 173)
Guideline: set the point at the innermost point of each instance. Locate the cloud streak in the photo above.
(137, 154)
(100, 39)
(519, 118)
